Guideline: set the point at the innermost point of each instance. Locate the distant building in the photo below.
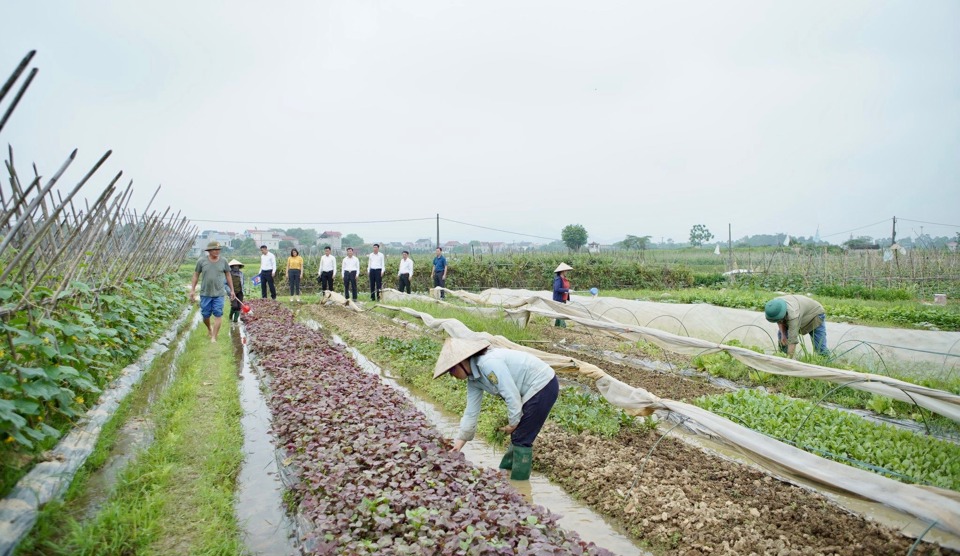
(593, 247)
(333, 239)
(270, 238)
(425, 244)
(206, 236)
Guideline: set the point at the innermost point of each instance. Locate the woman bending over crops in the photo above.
(527, 385)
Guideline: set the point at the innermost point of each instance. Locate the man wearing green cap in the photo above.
(795, 316)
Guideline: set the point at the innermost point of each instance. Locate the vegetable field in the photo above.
(672, 497)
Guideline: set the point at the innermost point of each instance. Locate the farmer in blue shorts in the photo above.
(215, 281)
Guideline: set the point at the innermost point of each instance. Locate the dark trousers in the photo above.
(376, 283)
(235, 307)
(350, 284)
(439, 281)
(403, 284)
(535, 413)
(266, 277)
(293, 276)
(326, 280)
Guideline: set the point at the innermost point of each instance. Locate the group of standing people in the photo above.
(349, 270)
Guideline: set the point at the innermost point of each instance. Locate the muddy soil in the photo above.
(680, 500)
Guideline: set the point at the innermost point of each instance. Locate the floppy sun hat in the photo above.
(775, 310)
(456, 350)
(562, 267)
(235, 262)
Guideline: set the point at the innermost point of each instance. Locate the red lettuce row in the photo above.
(375, 477)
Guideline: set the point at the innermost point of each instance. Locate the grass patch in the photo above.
(177, 496)
(494, 323)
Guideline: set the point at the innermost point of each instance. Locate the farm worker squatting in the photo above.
(527, 385)
(795, 316)
(215, 273)
(561, 289)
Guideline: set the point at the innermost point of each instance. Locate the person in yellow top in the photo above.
(796, 315)
(294, 271)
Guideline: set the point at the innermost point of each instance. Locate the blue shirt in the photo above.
(515, 376)
(439, 264)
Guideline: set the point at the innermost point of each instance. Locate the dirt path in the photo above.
(679, 500)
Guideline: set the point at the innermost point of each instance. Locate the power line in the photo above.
(930, 223)
(855, 229)
(498, 230)
(248, 222)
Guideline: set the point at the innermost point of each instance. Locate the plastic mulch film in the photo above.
(49, 479)
(934, 505)
(588, 314)
(925, 353)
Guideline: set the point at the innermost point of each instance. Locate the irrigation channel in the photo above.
(267, 528)
(538, 490)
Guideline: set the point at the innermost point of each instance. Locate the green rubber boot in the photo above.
(522, 461)
(507, 461)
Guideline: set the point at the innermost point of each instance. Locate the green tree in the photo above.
(351, 240)
(699, 234)
(574, 236)
(306, 236)
(245, 247)
(637, 243)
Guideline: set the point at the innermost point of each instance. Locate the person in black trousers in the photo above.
(350, 267)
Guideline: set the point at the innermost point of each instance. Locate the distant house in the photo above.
(291, 239)
(270, 238)
(331, 238)
(206, 236)
(952, 246)
(593, 247)
(425, 244)
(451, 245)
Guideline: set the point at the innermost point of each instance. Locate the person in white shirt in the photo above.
(268, 269)
(405, 273)
(349, 268)
(375, 265)
(328, 267)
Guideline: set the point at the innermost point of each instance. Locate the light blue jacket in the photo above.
(515, 376)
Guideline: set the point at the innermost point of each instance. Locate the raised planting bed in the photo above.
(373, 477)
(673, 498)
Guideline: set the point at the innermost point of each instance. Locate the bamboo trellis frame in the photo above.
(47, 241)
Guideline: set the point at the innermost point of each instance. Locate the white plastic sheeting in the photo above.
(923, 352)
(934, 505)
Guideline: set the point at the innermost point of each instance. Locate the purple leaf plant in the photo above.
(373, 475)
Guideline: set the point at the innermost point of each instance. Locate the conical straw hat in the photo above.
(235, 262)
(456, 350)
(562, 267)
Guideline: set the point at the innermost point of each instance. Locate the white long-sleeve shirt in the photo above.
(406, 267)
(349, 264)
(376, 261)
(268, 262)
(327, 263)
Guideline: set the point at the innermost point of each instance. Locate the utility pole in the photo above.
(730, 244)
(893, 238)
(438, 229)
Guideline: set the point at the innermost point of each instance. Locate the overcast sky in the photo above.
(633, 117)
